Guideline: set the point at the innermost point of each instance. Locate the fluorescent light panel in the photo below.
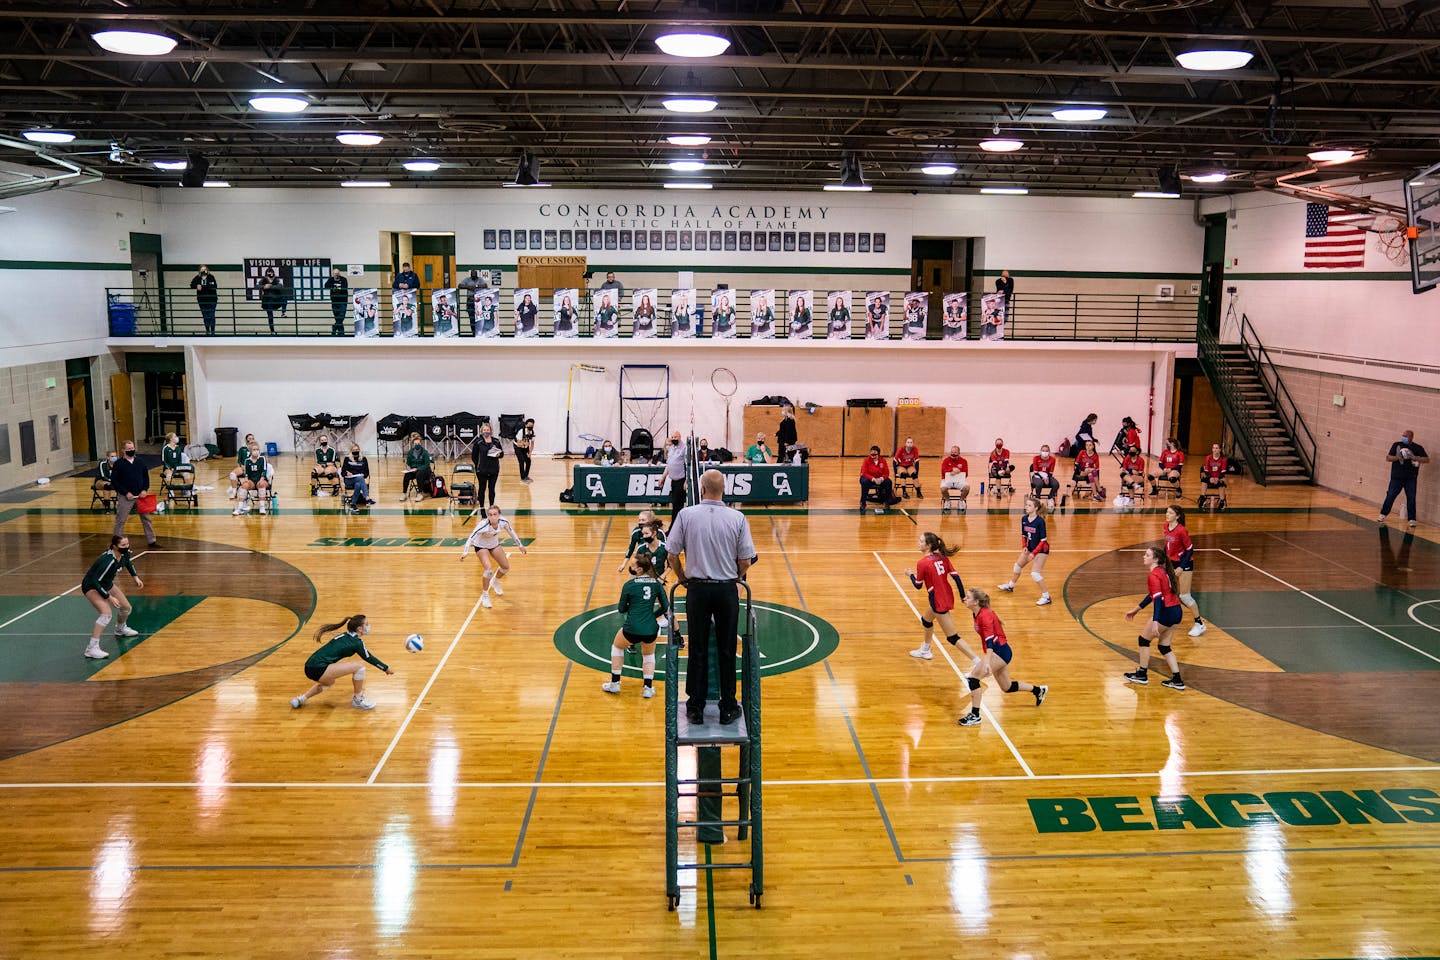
(939, 169)
(1154, 195)
(1331, 155)
(172, 164)
(356, 138)
(421, 166)
(1001, 145)
(279, 103)
(1006, 191)
(216, 183)
(838, 187)
(690, 104)
(688, 139)
(48, 136)
(687, 185)
(1078, 114)
(1214, 59)
(365, 183)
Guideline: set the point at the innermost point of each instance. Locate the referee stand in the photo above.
(710, 787)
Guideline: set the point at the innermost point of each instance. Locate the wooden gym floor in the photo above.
(168, 802)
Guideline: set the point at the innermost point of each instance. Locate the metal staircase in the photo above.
(1276, 443)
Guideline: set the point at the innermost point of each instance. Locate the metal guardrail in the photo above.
(1226, 386)
(1300, 434)
(1093, 317)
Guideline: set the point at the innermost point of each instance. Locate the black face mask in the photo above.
(129, 454)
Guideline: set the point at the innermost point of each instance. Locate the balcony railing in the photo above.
(1092, 317)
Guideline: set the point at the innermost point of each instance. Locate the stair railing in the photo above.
(1284, 404)
(1227, 392)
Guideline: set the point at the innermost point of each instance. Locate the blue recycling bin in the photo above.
(122, 319)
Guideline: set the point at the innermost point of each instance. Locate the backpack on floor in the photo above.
(437, 487)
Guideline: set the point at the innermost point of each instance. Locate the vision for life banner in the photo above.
(366, 302)
(403, 310)
(992, 316)
(444, 313)
(957, 312)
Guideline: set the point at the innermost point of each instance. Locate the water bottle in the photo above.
(982, 488)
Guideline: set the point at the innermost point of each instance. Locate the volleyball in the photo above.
(414, 643)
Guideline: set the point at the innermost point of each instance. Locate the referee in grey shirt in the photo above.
(717, 548)
(675, 471)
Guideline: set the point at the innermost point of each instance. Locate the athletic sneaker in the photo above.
(922, 654)
(485, 601)
(610, 686)
(1040, 691)
(230, 491)
(1138, 677)
(495, 588)
(1381, 518)
(126, 631)
(1007, 587)
(970, 720)
(1044, 600)
(1198, 629)
(360, 703)
(647, 692)
(1174, 683)
(95, 653)
(264, 507)
(1412, 524)
(239, 508)
(297, 702)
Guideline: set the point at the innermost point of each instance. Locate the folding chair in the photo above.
(180, 487)
(102, 497)
(464, 491)
(906, 485)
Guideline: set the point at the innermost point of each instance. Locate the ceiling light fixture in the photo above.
(940, 169)
(48, 136)
(1154, 195)
(421, 165)
(852, 175)
(686, 166)
(690, 104)
(1331, 155)
(688, 139)
(365, 183)
(216, 183)
(692, 44)
(353, 138)
(1079, 114)
(1005, 191)
(1217, 176)
(687, 185)
(1001, 145)
(269, 103)
(432, 233)
(1212, 60)
(171, 164)
(134, 43)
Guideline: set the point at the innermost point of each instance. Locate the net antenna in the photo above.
(569, 405)
(722, 379)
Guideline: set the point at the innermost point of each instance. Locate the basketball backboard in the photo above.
(1422, 204)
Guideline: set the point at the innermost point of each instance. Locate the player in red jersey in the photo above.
(1033, 547)
(1172, 459)
(1132, 434)
(994, 659)
(1181, 553)
(1042, 475)
(934, 574)
(1212, 474)
(955, 475)
(1132, 472)
(1000, 465)
(875, 478)
(1160, 590)
(907, 465)
(1087, 468)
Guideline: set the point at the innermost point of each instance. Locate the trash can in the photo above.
(122, 319)
(227, 439)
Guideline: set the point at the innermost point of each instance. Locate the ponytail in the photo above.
(351, 624)
(644, 564)
(1163, 562)
(934, 543)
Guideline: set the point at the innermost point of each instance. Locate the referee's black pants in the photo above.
(712, 610)
(677, 498)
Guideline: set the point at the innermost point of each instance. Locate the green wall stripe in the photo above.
(61, 265)
(1389, 275)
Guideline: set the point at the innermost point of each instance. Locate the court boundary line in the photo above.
(435, 675)
(946, 654)
(46, 603)
(1331, 606)
(640, 784)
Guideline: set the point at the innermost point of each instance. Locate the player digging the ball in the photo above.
(332, 661)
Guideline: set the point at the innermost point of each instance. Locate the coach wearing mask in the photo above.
(675, 474)
(717, 549)
(131, 480)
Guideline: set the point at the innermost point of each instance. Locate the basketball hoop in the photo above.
(722, 379)
(1392, 237)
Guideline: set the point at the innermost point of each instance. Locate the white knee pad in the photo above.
(1037, 576)
(616, 652)
(360, 674)
(1187, 599)
(649, 664)
(1016, 568)
(103, 620)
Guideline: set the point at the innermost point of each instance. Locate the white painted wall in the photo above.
(1349, 312)
(988, 389)
(56, 314)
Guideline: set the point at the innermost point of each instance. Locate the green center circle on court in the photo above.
(789, 639)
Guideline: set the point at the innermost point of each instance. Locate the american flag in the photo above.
(1331, 240)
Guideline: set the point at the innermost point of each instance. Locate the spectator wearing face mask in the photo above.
(607, 455)
(1405, 457)
(131, 480)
